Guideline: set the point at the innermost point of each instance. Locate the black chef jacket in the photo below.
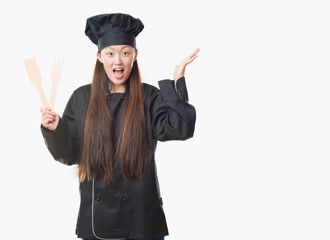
(123, 209)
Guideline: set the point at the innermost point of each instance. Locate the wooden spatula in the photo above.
(35, 77)
(56, 76)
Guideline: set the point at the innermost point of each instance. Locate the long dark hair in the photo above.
(98, 148)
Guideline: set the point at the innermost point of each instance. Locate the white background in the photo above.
(258, 165)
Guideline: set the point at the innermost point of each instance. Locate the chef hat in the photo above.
(113, 29)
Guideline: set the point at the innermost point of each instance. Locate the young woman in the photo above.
(110, 128)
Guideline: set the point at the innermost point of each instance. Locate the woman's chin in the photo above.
(118, 82)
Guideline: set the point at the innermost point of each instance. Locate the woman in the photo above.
(110, 129)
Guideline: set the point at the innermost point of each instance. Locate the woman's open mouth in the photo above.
(118, 72)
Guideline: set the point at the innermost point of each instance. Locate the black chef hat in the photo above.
(113, 29)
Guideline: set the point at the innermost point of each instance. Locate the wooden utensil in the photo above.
(35, 77)
(56, 76)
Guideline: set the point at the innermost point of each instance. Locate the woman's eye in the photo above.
(109, 53)
(125, 53)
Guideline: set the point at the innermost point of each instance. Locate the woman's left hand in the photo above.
(180, 69)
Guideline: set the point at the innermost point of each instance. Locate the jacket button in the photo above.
(98, 199)
(124, 199)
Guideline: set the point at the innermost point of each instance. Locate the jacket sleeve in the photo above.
(63, 142)
(173, 118)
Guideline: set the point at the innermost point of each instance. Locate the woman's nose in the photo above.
(118, 59)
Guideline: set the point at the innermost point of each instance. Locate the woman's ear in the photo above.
(136, 53)
(99, 57)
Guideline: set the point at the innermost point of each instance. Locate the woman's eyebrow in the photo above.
(111, 48)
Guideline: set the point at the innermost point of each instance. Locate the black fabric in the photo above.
(113, 29)
(124, 209)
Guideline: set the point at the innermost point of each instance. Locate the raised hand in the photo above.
(49, 118)
(180, 69)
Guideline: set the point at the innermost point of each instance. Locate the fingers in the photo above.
(194, 53)
(45, 109)
(191, 57)
(48, 120)
(48, 116)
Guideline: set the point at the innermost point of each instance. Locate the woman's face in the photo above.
(118, 62)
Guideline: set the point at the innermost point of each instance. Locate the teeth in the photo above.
(118, 69)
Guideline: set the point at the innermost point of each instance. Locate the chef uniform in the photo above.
(122, 209)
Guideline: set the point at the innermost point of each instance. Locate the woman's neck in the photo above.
(117, 88)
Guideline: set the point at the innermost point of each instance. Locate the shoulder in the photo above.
(151, 95)
(82, 91)
(80, 96)
(149, 90)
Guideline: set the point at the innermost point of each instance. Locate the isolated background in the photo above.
(258, 165)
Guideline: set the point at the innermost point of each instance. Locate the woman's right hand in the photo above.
(49, 118)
